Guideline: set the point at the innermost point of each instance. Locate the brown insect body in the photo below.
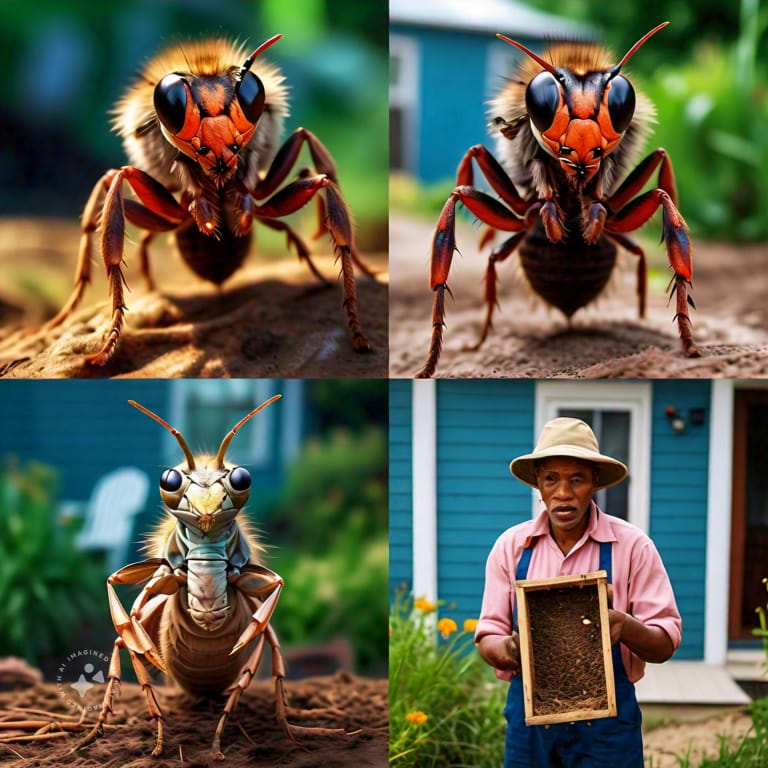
(201, 126)
(572, 273)
(567, 129)
(204, 612)
(210, 68)
(550, 272)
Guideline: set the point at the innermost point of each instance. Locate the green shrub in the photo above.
(712, 113)
(329, 528)
(445, 706)
(48, 587)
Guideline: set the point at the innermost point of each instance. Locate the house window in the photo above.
(204, 411)
(620, 416)
(403, 103)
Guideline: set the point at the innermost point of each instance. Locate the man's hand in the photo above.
(648, 642)
(501, 651)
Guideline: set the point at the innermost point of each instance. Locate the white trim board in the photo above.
(424, 487)
(636, 397)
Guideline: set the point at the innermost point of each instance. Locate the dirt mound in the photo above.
(273, 318)
(604, 340)
(252, 735)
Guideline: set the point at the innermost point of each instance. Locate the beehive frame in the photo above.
(540, 650)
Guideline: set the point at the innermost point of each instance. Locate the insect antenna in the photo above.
(175, 432)
(545, 64)
(228, 439)
(248, 63)
(631, 52)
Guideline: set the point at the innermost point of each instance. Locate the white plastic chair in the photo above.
(115, 501)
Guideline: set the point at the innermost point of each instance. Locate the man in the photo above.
(573, 536)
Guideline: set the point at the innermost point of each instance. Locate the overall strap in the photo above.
(521, 573)
(606, 559)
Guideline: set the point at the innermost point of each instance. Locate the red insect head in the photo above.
(210, 118)
(580, 117)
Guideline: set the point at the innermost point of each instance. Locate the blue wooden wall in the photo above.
(481, 426)
(678, 520)
(84, 428)
(451, 91)
(400, 481)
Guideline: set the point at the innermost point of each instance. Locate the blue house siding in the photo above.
(400, 483)
(84, 428)
(481, 426)
(452, 105)
(679, 472)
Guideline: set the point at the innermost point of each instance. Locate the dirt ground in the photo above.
(606, 339)
(252, 736)
(272, 318)
(664, 744)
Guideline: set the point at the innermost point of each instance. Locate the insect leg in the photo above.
(497, 177)
(490, 211)
(113, 683)
(642, 268)
(301, 247)
(497, 255)
(129, 627)
(639, 177)
(258, 582)
(298, 193)
(247, 674)
(91, 217)
(679, 251)
(278, 672)
(335, 217)
(160, 202)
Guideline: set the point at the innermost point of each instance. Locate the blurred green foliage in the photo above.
(48, 587)
(329, 529)
(713, 126)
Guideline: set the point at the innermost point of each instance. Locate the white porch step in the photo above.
(689, 682)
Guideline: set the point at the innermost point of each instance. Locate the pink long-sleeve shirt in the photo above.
(641, 586)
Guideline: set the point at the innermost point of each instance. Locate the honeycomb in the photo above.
(566, 650)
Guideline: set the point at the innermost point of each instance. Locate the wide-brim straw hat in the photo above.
(573, 438)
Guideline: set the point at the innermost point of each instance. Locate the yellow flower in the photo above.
(446, 627)
(417, 717)
(424, 605)
(470, 625)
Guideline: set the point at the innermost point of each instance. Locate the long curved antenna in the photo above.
(530, 53)
(175, 432)
(631, 52)
(228, 439)
(613, 72)
(248, 63)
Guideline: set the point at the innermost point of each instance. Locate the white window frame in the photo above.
(404, 94)
(634, 397)
(256, 437)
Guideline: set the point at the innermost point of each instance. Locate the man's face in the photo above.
(566, 487)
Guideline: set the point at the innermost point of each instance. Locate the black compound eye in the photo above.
(240, 479)
(621, 103)
(542, 98)
(171, 480)
(251, 96)
(171, 102)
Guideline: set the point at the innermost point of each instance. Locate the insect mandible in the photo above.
(204, 613)
(201, 128)
(566, 128)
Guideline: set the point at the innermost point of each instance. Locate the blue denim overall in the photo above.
(612, 742)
